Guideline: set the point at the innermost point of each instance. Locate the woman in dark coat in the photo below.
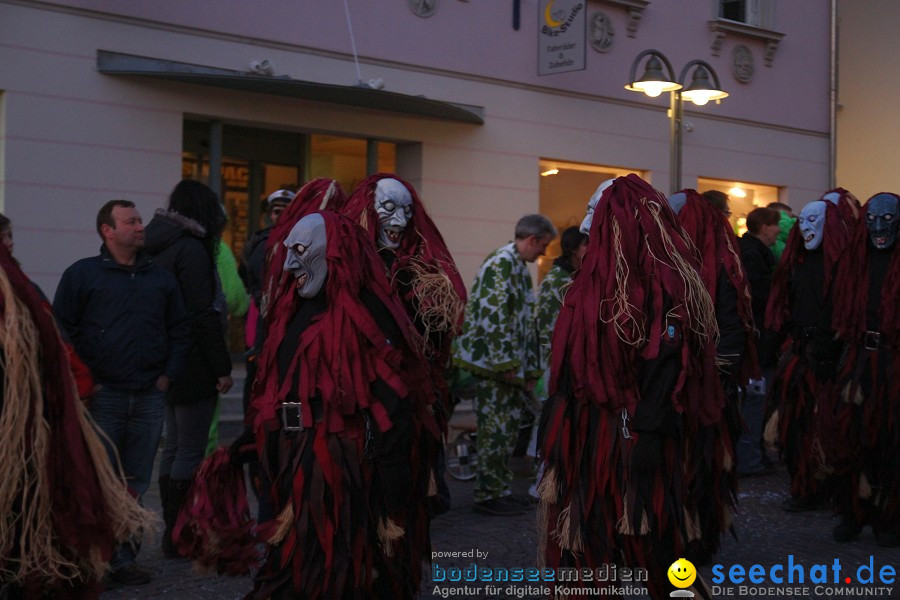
(184, 239)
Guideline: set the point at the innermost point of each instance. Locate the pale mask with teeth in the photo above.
(393, 203)
(881, 220)
(306, 248)
(812, 224)
(592, 206)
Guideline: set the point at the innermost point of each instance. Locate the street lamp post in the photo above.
(659, 77)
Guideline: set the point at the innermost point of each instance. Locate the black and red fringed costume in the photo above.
(633, 379)
(350, 486)
(863, 417)
(64, 508)
(723, 277)
(800, 311)
(422, 273)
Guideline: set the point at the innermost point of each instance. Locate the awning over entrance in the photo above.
(114, 63)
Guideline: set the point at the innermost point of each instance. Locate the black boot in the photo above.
(178, 489)
(168, 549)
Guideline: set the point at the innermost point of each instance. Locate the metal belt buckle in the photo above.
(872, 340)
(291, 417)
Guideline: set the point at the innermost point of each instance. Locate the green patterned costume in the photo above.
(499, 335)
(549, 302)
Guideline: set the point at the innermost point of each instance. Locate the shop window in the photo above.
(742, 198)
(565, 189)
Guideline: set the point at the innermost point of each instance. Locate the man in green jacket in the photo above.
(499, 346)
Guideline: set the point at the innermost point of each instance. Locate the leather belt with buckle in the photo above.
(872, 340)
(291, 416)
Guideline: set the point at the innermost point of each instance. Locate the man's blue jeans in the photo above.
(133, 421)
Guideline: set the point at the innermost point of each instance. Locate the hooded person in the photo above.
(423, 275)
(343, 415)
(722, 272)
(65, 509)
(315, 195)
(800, 309)
(863, 422)
(627, 392)
(422, 272)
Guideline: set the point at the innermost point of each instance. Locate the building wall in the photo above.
(868, 130)
(73, 138)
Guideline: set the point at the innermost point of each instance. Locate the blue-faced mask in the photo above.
(306, 249)
(832, 197)
(881, 220)
(812, 224)
(677, 201)
(592, 206)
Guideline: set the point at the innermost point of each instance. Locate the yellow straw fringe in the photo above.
(25, 503)
(388, 533)
(285, 520)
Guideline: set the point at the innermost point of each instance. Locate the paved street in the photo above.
(767, 536)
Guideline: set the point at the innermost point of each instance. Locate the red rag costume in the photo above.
(723, 277)
(350, 484)
(800, 309)
(77, 510)
(862, 419)
(630, 388)
(421, 271)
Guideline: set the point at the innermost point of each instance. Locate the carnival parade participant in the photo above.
(721, 270)
(499, 347)
(343, 415)
(424, 277)
(863, 423)
(627, 392)
(800, 308)
(65, 508)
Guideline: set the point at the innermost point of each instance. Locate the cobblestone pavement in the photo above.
(766, 535)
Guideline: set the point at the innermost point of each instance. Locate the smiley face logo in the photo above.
(682, 573)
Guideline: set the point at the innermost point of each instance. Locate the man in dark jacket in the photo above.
(127, 320)
(759, 266)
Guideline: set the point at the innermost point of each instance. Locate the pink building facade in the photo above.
(110, 99)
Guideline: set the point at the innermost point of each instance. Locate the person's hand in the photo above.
(224, 384)
(162, 383)
(529, 384)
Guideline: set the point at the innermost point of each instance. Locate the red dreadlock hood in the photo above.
(847, 203)
(638, 274)
(836, 237)
(851, 295)
(421, 248)
(315, 195)
(343, 350)
(708, 228)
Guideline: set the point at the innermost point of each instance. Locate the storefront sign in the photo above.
(561, 36)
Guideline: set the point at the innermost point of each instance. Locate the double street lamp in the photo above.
(659, 77)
